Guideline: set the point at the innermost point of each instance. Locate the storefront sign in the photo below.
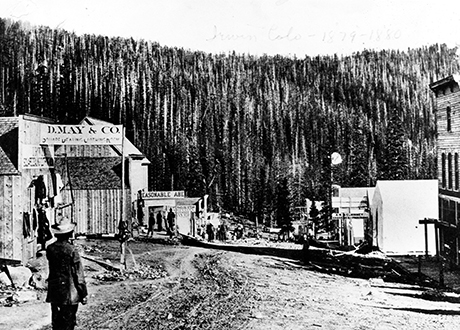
(81, 134)
(34, 156)
(183, 211)
(350, 215)
(163, 194)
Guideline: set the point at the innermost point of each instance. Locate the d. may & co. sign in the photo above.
(81, 134)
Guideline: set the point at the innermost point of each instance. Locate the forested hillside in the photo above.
(236, 126)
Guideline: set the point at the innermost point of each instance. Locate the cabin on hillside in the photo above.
(447, 113)
(397, 208)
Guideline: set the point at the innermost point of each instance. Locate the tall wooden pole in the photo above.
(122, 216)
(122, 206)
(425, 226)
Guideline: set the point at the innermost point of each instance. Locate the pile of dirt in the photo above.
(139, 272)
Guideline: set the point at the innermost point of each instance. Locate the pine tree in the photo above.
(396, 163)
(357, 158)
(314, 216)
(244, 113)
(195, 183)
(283, 214)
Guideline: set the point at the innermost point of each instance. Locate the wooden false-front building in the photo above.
(447, 93)
(41, 181)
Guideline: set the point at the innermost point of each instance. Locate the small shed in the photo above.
(396, 208)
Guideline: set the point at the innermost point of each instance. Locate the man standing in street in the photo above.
(160, 221)
(151, 224)
(171, 223)
(66, 282)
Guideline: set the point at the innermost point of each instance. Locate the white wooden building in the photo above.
(397, 208)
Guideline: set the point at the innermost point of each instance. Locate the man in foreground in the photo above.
(66, 282)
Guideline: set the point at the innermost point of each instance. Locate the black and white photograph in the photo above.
(229, 164)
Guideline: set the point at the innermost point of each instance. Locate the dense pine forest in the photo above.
(243, 129)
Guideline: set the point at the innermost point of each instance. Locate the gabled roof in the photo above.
(90, 173)
(9, 133)
(357, 197)
(355, 192)
(129, 148)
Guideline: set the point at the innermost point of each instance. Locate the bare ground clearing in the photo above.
(180, 287)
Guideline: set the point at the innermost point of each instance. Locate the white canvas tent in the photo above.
(397, 207)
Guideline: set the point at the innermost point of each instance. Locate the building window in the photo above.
(443, 170)
(449, 119)
(449, 170)
(456, 171)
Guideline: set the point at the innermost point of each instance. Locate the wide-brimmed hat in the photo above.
(64, 226)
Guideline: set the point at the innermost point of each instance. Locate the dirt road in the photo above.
(179, 287)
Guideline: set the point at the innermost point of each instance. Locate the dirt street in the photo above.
(178, 287)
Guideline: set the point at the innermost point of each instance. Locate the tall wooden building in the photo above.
(447, 91)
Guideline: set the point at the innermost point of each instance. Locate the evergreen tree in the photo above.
(283, 214)
(41, 91)
(396, 163)
(357, 158)
(244, 113)
(314, 216)
(195, 184)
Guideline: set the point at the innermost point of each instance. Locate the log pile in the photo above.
(372, 265)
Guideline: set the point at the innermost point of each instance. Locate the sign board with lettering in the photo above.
(81, 134)
(350, 215)
(163, 194)
(183, 211)
(34, 156)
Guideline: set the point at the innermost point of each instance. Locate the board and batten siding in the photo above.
(96, 211)
(11, 230)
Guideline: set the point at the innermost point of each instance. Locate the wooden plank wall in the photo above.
(96, 211)
(6, 220)
(11, 230)
(447, 141)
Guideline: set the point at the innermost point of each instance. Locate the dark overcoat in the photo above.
(66, 281)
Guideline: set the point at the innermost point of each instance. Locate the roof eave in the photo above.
(447, 81)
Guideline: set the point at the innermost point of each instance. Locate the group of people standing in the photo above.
(159, 219)
(219, 233)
